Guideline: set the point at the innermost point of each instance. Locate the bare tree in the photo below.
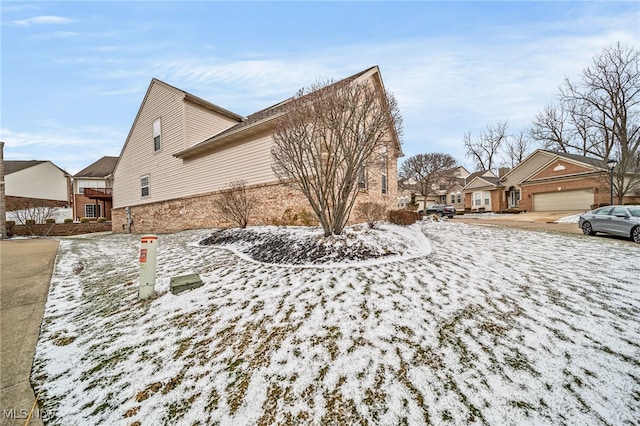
(427, 170)
(32, 212)
(235, 204)
(328, 136)
(599, 115)
(516, 148)
(484, 149)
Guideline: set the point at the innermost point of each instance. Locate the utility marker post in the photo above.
(148, 250)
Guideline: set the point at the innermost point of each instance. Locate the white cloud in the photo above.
(45, 19)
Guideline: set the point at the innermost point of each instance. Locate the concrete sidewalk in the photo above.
(25, 273)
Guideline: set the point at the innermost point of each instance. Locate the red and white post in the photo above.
(148, 250)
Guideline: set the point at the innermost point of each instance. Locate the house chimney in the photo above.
(503, 171)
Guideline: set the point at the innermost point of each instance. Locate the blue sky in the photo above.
(74, 73)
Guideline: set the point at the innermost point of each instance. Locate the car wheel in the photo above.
(587, 229)
(450, 217)
(635, 234)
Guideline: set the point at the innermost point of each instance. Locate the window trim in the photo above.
(95, 208)
(156, 147)
(143, 186)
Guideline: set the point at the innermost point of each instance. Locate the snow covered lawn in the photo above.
(459, 324)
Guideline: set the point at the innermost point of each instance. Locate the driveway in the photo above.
(540, 221)
(26, 267)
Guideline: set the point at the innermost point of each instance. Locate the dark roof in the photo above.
(11, 166)
(262, 115)
(601, 164)
(100, 169)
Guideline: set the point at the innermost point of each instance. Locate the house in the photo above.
(444, 191)
(35, 184)
(482, 192)
(92, 189)
(182, 151)
(548, 180)
(545, 181)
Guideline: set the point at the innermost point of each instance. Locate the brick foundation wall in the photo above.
(276, 203)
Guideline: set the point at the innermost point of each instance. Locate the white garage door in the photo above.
(562, 200)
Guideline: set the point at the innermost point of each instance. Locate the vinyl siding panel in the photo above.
(42, 181)
(521, 172)
(249, 160)
(202, 123)
(138, 157)
(171, 177)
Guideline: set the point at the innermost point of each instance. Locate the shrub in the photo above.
(102, 219)
(289, 218)
(68, 220)
(403, 217)
(30, 222)
(10, 227)
(371, 212)
(84, 220)
(50, 220)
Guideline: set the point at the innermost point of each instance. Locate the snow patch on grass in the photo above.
(494, 325)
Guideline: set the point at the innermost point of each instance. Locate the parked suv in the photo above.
(441, 210)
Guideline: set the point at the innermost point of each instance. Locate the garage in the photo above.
(581, 199)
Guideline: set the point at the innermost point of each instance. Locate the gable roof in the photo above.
(11, 166)
(255, 121)
(185, 95)
(482, 182)
(592, 163)
(99, 169)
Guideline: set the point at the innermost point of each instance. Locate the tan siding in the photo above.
(525, 169)
(43, 181)
(139, 158)
(250, 160)
(171, 177)
(202, 123)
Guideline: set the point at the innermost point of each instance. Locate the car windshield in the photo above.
(635, 211)
(603, 210)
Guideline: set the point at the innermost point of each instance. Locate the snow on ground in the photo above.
(488, 325)
(574, 218)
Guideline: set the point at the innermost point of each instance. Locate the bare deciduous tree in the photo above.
(327, 136)
(427, 170)
(599, 115)
(484, 149)
(235, 204)
(516, 148)
(32, 212)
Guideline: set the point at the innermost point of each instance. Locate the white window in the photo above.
(477, 198)
(459, 197)
(92, 210)
(156, 135)
(144, 185)
(487, 199)
(453, 198)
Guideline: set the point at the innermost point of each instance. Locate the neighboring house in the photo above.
(482, 192)
(182, 151)
(35, 183)
(441, 192)
(92, 189)
(544, 181)
(549, 180)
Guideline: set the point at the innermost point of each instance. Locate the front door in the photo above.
(514, 198)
